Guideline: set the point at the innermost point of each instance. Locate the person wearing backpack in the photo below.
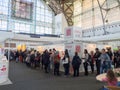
(76, 64)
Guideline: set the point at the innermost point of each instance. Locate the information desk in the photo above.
(4, 66)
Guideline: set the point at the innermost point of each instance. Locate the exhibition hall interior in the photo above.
(59, 44)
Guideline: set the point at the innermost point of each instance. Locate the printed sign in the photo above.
(3, 71)
(68, 32)
(77, 48)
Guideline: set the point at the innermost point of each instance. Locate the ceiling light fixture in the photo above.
(47, 2)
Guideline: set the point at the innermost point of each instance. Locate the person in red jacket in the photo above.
(56, 63)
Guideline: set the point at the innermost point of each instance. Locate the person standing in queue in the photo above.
(46, 60)
(92, 61)
(118, 59)
(110, 54)
(32, 59)
(96, 57)
(86, 61)
(56, 63)
(104, 62)
(76, 64)
(66, 63)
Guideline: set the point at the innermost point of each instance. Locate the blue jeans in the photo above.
(66, 67)
(17, 59)
(109, 64)
(104, 88)
(104, 67)
(118, 84)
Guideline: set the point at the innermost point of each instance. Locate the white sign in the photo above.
(3, 71)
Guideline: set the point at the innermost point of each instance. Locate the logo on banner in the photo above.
(77, 48)
(68, 32)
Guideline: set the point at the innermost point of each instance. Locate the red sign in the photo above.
(77, 48)
(68, 32)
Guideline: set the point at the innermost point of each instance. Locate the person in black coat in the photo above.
(32, 59)
(76, 64)
(98, 61)
(17, 56)
(46, 60)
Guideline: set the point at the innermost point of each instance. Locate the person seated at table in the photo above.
(110, 79)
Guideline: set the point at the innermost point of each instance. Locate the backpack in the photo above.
(79, 60)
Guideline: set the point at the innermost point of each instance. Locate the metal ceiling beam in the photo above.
(68, 10)
(63, 6)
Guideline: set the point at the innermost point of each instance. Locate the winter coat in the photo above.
(46, 58)
(76, 61)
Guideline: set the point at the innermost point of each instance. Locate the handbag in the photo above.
(65, 61)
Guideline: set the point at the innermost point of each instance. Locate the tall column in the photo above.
(9, 15)
(33, 25)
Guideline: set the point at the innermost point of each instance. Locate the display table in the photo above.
(101, 76)
(4, 66)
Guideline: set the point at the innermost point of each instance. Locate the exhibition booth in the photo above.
(73, 41)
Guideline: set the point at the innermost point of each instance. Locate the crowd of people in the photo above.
(50, 60)
(99, 61)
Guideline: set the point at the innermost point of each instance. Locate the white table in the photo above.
(101, 76)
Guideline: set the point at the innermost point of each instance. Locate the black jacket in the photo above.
(76, 61)
(46, 58)
(32, 57)
(97, 55)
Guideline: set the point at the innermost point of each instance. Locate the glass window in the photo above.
(16, 26)
(42, 17)
(27, 28)
(22, 15)
(4, 25)
(42, 30)
(37, 29)
(22, 27)
(23, 9)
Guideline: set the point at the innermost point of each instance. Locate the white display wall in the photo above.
(4, 67)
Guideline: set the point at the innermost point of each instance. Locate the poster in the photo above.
(3, 71)
(77, 48)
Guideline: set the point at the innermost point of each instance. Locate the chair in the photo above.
(113, 87)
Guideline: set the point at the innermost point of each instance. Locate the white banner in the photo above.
(3, 71)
